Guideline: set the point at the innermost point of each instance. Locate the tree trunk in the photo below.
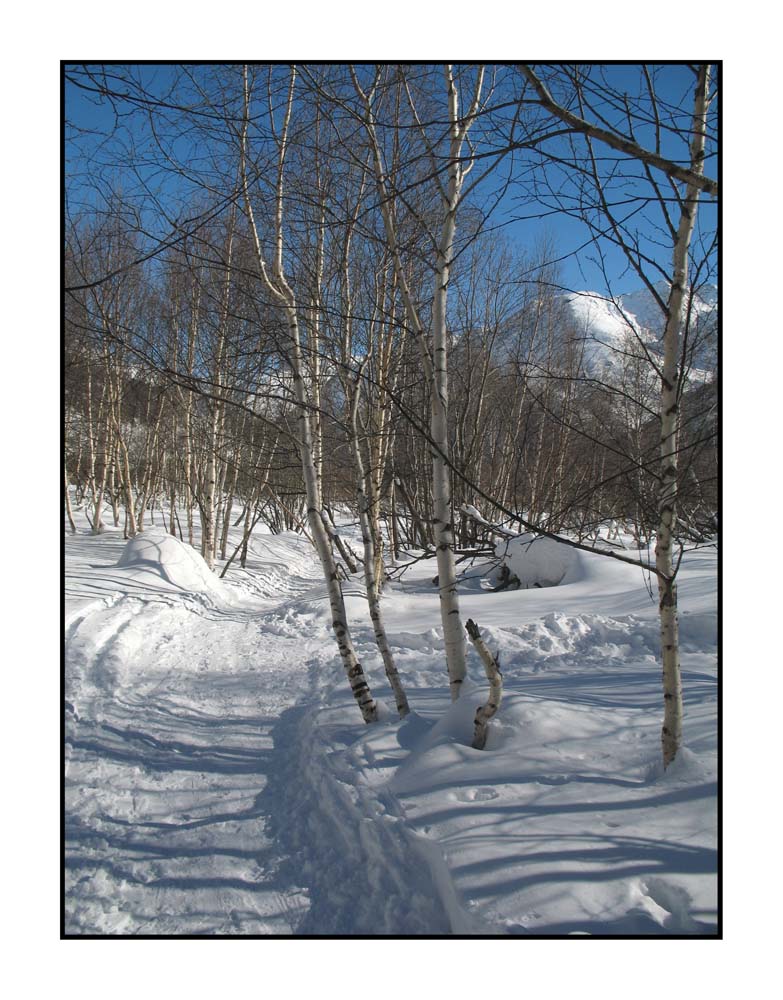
(68, 510)
(671, 732)
(278, 286)
(373, 601)
(434, 358)
(495, 678)
(353, 668)
(130, 517)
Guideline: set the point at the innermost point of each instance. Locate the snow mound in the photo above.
(156, 551)
(538, 561)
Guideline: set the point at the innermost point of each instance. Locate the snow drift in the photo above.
(538, 561)
(160, 553)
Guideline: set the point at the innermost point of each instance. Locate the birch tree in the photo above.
(671, 388)
(432, 338)
(275, 281)
(671, 367)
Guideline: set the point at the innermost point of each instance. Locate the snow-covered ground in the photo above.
(219, 779)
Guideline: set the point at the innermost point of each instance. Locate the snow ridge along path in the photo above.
(219, 779)
(189, 738)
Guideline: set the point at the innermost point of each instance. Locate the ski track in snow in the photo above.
(168, 747)
(173, 783)
(217, 782)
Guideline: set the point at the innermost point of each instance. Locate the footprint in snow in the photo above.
(476, 795)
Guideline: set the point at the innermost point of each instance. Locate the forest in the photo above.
(436, 333)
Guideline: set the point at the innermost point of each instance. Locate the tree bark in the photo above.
(671, 732)
(281, 291)
(435, 358)
(68, 509)
(373, 601)
(495, 678)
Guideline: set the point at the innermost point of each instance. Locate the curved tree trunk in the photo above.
(281, 291)
(495, 678)
(373, 599)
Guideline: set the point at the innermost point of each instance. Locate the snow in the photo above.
(160, 554)
(219, 780)
(646, 311)
(538, 561)
(605, 327)
(613, 328)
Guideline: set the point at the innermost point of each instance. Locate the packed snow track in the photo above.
(219, 780)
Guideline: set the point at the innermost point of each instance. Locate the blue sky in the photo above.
(525, 224)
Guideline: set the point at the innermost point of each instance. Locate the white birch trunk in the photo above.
(126, 478)
(453, 637)
(114, 493)
(187, 399)
(209, 539)
(373, 601)
(245, 537)
(208, 524)
(671, 732)
(68, 509)
(278, 286)
(353, 668)
(495, 678)
(435, 363)
(100, 459)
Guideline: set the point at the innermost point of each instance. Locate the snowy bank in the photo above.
(157, 553)
(538, 561)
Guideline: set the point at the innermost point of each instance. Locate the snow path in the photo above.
(165, 783)
(219, 780)
(195, 799)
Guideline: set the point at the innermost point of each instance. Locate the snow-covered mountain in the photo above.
(611, 328)
(647, 312)
(605, 330)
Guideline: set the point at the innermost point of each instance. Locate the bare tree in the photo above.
(277, 285)
(433, 338)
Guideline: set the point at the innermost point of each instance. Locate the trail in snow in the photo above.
(187, 745)
(219, 780)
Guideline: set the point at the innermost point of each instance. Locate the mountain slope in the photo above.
(610, 329)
